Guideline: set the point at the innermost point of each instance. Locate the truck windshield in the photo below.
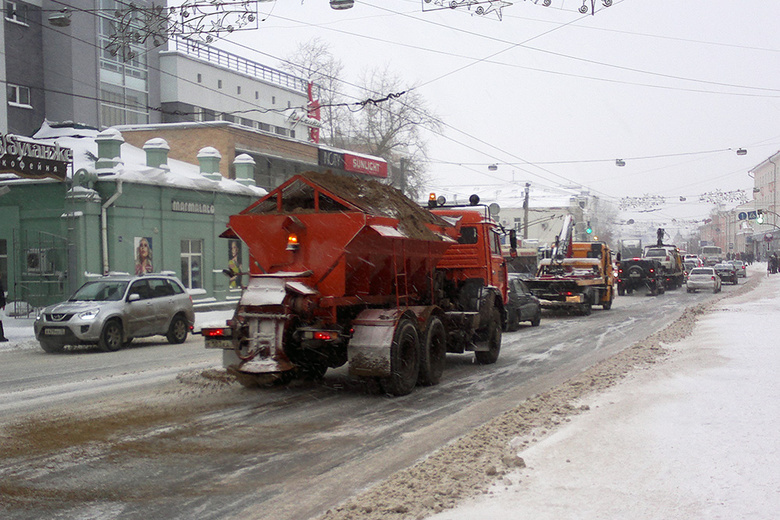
(656, 252)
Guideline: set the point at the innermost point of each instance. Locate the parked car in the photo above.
(703, 278)
(522, 306)
(727, 272)
(741, 268)
(112, 310)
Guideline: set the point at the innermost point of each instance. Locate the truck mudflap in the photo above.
(369, 350)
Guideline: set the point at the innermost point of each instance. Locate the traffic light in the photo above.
(759, 217)
(589, 229)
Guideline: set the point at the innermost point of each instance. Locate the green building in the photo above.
(76, 203)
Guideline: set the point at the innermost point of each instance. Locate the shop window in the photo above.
(18, 96)
(192, 264)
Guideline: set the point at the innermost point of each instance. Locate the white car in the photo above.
(740, 267)
(703, 278)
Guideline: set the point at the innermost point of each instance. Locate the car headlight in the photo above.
(89, 315)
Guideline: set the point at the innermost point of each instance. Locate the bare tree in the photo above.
(314, 62)
(391, 125)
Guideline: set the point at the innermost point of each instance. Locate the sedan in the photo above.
(522, 306)
(741, 268)
(727, 272)
(703, 278)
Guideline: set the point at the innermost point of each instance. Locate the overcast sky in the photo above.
(554, 97)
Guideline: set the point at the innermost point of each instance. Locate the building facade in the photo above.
(56, 233)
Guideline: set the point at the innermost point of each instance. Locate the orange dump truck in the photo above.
(351, 271)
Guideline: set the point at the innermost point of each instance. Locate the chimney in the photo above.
(157, 153)
(245, 169)
(109, 143)
(209, 158)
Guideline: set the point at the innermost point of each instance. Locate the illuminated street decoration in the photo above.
(722, 197)
(201, 20)
(645, 202)
(481, 8)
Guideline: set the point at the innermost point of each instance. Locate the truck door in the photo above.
(498, 275)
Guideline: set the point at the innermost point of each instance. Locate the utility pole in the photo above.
(525, 211)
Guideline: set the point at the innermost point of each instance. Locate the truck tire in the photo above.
(493, 332)
(433, 353)
(404, 360)
(586, 308)
(111, 338)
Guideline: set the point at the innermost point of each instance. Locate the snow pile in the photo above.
(692, 438)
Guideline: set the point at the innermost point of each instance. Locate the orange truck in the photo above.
(346, 271)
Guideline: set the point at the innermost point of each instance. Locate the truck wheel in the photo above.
(608, 304)
(585, 308)
(512, 320)
(404, 360)
(111, 338)
(177, 332)
(51, 347)
(536, 319)
(434, 353)
(490, 356)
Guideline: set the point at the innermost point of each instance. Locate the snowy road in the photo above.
(185, 449)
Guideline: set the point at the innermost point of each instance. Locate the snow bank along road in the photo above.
(201, 446)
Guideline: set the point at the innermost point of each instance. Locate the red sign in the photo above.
(358, 164)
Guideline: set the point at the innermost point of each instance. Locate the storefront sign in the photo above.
(34, 160)
(353, 163)
(331, 159)
(192, 207)
(357, 164)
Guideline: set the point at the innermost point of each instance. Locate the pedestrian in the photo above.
(2, 306)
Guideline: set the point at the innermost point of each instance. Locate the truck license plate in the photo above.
(225, 344)
(54, 332)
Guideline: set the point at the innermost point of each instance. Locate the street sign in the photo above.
(752, 215)
(742, 216)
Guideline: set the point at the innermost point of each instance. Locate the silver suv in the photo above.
(112, 310)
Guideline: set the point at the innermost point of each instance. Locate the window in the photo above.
(280, 130)
(468, 235)
(18, 96)
(198, 114)
(219, 83)
(238, 89)
(273, 100)
(191, 262)
(257, 95)
(200, 78)
(16, 12)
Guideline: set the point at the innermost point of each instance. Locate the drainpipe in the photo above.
(774, 194)
(104, 225)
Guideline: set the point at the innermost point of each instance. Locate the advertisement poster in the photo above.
(234, 263)
(143, 255)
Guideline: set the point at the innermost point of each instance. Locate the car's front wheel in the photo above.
(111, 338)
(177, 332)
(51, 347)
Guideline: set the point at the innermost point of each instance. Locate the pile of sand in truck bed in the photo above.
(376, 198)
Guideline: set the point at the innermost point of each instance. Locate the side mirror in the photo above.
(512, 239)
(134, 297)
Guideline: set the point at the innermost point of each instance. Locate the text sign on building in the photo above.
(353, 163)
(34, 160)
(358, 164)
(192, 207)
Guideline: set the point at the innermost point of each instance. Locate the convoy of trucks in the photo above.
(345, 272)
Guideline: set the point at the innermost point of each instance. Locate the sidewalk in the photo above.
(696, 437)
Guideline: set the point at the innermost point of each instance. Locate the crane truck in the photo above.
(353, 272)
(577, 275)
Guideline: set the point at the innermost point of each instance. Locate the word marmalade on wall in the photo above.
(201, 20)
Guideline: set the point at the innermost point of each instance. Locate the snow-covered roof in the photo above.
(133, 168)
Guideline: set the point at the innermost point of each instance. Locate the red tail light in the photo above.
(292, 242)
(211, 333)
(324, 335)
